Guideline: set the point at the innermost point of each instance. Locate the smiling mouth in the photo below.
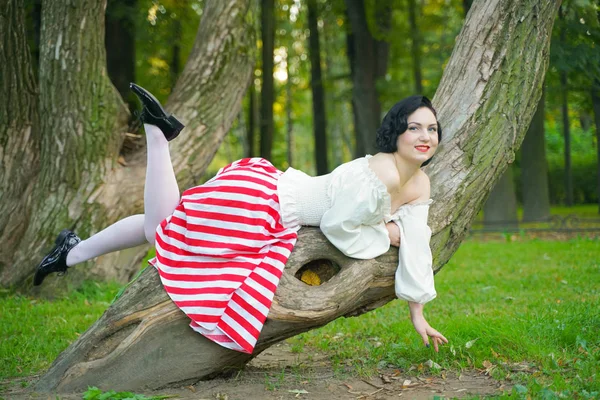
(422, 149)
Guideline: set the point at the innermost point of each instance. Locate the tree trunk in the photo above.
(318, 92)
(596, 105)
(486, 99)
(415, 49)
(364, 73)
(19, 128)
(81, 186)
(534, 169)
(174, 65)
(267, 19)
(567, 137)
(120, 47)
(564, 91)
(288, 113)
(500, 210)
(251, 128)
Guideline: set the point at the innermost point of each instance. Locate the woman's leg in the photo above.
(123, 234)
(161, 193)
(161, 196)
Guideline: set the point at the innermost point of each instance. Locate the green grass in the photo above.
(529, 311)
(34, 331)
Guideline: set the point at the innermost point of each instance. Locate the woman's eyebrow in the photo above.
(416, 123)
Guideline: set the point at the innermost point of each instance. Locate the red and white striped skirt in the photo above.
(221, 253)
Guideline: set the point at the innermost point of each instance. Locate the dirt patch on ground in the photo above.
(280, 374)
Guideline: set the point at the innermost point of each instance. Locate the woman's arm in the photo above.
(423, 328)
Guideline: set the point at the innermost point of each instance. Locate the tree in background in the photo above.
(318, 91)
(534, 169)
(267, 19)
(575, 66)
(368, 57)
(120, 46)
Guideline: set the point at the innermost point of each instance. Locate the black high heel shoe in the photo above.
(56, 260)
(154, 114)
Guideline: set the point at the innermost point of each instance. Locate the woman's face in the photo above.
(420, 140)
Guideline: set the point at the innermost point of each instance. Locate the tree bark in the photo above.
(596, 105)
(486, 99)
(415, 49)
(318, 91)
(267, 19)
(534, 169)
(19, 128)
(81, 186)
(500, 209)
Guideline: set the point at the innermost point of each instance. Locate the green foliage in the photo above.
(93, 393)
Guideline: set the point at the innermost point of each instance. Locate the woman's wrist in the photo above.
(416, 309)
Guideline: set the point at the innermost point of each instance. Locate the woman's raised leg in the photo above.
(161, 193)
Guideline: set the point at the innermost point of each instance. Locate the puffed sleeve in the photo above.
(354, 223)
(414, 276)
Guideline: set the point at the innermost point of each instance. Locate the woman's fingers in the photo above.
(425, 338)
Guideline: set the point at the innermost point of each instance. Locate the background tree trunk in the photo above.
(500, 210)
(120, 47)
(318, 91)
(365, 71)
(415, 49)
(81, 143)
(564, 91)
(487, 97)
(596, 105)
(267, 19)
(251, 129)
(534, 169)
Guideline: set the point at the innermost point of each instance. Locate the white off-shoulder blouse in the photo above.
(351, 205)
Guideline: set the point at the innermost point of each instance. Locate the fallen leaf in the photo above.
(121, 160)
(385, 378)
(298, 391)
(470, 343)
(432, 364)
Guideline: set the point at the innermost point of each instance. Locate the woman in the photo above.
(221, 247)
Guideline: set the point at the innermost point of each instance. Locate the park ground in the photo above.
(522, 315)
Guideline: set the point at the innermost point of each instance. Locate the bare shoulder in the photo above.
(384, 167)
(422, 186)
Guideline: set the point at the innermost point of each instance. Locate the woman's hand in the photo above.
(423, 328)
(394, 233)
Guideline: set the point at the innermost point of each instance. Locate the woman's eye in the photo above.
(432, 130)
(412, 128)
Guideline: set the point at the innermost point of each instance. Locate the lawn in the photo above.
(527, 311)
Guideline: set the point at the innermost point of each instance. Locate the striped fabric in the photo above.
(220, 255)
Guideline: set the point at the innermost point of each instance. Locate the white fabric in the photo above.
(414, 276)
(351, 206)
(304, 198)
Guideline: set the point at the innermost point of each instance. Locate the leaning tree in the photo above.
(60, 137)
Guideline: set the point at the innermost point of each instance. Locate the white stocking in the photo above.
(161, 197)
(161, 193)
(123, 234)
